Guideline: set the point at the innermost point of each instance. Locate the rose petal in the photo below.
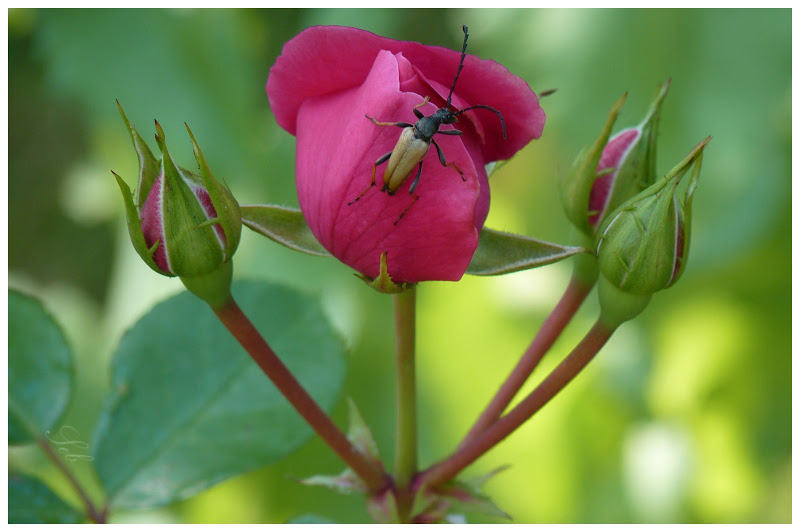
(336, 150)
(613, 154)
(152, 224)
(327, 59)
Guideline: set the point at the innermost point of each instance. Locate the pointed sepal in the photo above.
(135, 228)
(383, 282)
(227, 208)
(649, 127)
(576, 187)
(149, 166)
(685, 222)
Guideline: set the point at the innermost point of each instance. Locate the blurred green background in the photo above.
(684, 417)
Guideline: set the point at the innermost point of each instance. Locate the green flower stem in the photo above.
(243, 330)
(555, 323)
(97, 516)
(406, 449)
(554, 383)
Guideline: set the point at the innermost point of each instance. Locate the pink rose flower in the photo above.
(324, 82)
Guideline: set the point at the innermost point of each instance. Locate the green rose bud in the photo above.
(642, 246)
(182, 224)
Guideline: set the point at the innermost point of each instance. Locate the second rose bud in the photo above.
(612, 169)
(642, 246)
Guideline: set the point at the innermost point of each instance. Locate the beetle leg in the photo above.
(416, 110)
(398, 124)
(445, 163)
(451, 132)
(425, 100)
(411, 191)
(414, 200)
(382, 159)
(416, 180)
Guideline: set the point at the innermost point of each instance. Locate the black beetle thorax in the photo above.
(427, 127)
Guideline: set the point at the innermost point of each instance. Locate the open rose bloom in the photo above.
(324, 82)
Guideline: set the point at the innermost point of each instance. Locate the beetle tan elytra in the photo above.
(416, 139)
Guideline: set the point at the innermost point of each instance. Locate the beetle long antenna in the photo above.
(460, 65)
(492, 109)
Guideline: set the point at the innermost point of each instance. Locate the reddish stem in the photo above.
(248, 336)
(98, 516)
(555, 323)
(554, 383)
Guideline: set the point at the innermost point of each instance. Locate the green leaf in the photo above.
(190, 409)
(500, 252)
(284, 225)
(39, 370)
(30, 501)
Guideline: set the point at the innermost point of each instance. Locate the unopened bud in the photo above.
(642, 246)
(182, 224)
(610, 171)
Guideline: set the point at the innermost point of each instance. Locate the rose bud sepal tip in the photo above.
(149, 166)
(229, 214)
(576, 187)
(383, 283)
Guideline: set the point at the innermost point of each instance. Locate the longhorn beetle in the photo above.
(416, 139)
